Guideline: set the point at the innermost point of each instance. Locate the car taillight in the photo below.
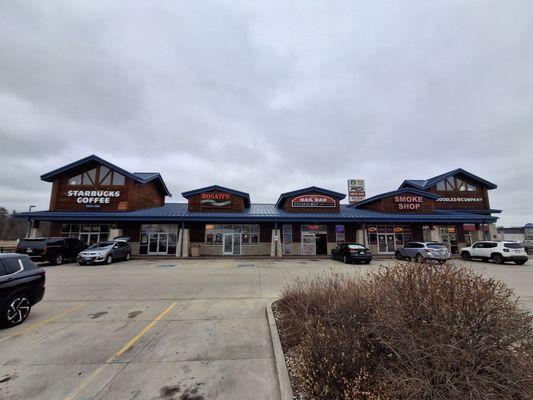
(428, 250)
(353, 251)
(45, 249)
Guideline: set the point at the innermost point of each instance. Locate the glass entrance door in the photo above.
(385, 243)
(158, 243)
(231, 244)
(308, 244)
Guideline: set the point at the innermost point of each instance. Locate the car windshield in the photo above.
(355, 247)
(102, 244)
(513, 245)
(436, 246)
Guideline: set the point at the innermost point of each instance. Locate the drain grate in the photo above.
(166, 266)
(246, 265)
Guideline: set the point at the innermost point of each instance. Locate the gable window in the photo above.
(89, 177)
(101, 175)
(75, 180)
(118, 179)
(450, 184)
(105, 176)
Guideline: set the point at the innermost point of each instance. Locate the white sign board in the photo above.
(356, 190)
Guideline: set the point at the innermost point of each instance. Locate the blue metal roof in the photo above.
(244, 195)
(394, 193)
(141, 177)
(176, 212)
(428, 183)
(310, 189)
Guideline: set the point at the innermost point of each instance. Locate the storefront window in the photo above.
(158, 239)
(393, 235)
(287, 240)
(87, 233)
(214, 233)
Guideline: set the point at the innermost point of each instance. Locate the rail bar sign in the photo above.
(313, 201)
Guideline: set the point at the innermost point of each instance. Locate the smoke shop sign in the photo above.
(215, 199)
(313, 201)
(93, 198)
(408, 202)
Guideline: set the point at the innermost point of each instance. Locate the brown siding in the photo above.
(196, 231)
(237, 204)
(479, 193)
(388, 204)
(133, 195)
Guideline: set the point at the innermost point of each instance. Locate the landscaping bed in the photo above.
(408, 331)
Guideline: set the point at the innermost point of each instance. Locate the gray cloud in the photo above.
(268, 97)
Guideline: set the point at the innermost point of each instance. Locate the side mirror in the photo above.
(115, 246)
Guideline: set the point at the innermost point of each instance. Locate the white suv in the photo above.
(497, 251)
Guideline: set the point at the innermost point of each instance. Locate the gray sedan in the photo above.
(105, 252)
(422, 251)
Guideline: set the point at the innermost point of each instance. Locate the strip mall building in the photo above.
(95, 200)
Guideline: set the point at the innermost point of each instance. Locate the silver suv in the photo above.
(105, 252)
(423, 251)
(496, 251)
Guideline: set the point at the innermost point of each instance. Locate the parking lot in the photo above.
(165, 329)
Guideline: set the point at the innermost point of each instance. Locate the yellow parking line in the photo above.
(125, 348)
(146, 329)
(38, 324)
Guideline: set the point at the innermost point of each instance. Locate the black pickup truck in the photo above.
(55, 250)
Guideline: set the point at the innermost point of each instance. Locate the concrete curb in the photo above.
(285, 389)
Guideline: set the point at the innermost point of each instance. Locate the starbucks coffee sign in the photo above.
(93, 198)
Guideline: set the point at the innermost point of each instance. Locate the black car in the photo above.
(55, 250)
(21, 287)
(351, 252)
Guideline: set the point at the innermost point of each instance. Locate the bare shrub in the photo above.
(408, 331)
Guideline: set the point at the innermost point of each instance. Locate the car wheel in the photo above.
(367, 261)
(521, 262)
(109, 259)
(58, 259)
(345, 259)
(81, 263)
(128, 256)
(497, 258)
(465, 255)
(399, 256)
(16, 310)
(419, 258)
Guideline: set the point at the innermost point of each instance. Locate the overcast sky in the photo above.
(271, 96)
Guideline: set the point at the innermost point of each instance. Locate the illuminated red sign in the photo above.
(215, 199)
(313, 201)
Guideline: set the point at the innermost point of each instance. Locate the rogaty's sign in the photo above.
(408, 202)
(313, 201)
(215, 199)
(93, 198)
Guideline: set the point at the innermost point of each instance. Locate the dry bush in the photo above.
(409, 331)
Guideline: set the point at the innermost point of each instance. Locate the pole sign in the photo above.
(215, 200)
(313, 201)
(356, 190)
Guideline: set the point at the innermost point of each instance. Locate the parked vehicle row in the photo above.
(22, 285)
(495, 251)
(56, 251)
